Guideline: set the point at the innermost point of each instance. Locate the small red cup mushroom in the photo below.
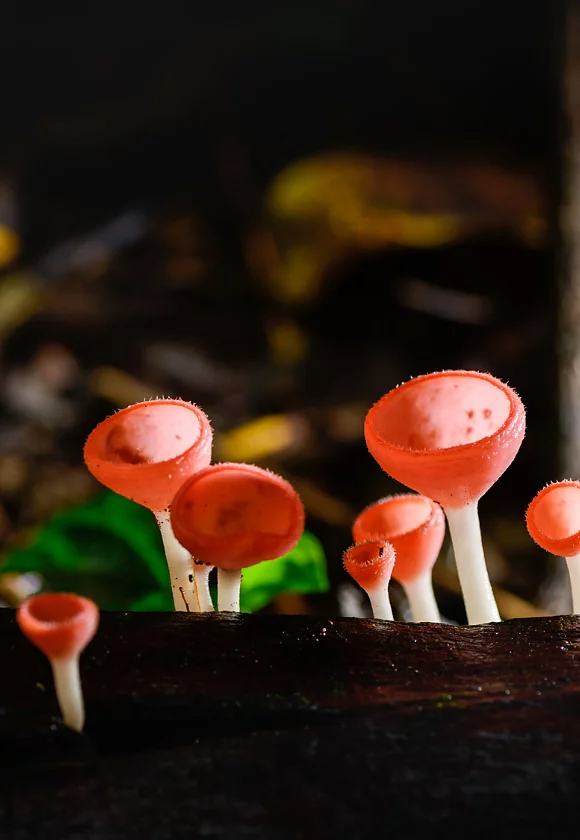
(61, 625)
(553, 521)
(145, 452)
(371, 564)
(235, 515)
(450, 436)
(415, 527)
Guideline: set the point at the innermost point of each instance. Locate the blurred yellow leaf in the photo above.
(118, 387)
(288, 343)
(20, 299)
(322, 210)
(9, 245)
(261, 438)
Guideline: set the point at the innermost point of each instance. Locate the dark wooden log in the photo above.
(293, 726)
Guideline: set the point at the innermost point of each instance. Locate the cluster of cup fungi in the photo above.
(448, 436)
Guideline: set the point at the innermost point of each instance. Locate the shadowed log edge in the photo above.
(181, 674)
(294, 726)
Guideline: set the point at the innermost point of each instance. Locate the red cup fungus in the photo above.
(553, 521)
(61, 625)
(146, 452)
(450, 436)
(235, 515)
(415, 526)
(371, 564)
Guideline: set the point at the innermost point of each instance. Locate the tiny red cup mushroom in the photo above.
(233, 516)
(145, 452)
(61, 625)
(415, 527)
(450, 436)
(553, 522)
(371, 564)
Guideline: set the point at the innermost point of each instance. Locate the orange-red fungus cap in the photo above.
(553, 518)
(447, 435)
(60, 624)
(146, 452)
(370, 563)
(236, 515)
(414, 525)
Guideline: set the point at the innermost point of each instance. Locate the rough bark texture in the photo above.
(295, 727)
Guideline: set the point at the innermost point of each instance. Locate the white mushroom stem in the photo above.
(180, 566)
(67, 683)
(229, 582)
(574, 571)
(421, 598)
(380, 603)
(478, 596)
(201, 581)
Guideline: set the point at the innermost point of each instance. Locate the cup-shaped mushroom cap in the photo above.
(146, 451)
(236, 515)
(414, 525)
(447, 435)
(60, 624)
(553, 518)
(370, 563)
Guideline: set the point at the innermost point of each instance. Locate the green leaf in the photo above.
(160, 601)
(302, 571)
(109, 549)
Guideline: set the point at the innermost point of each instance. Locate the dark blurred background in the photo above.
(280, 211)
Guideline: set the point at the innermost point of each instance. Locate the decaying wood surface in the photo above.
(294, 726)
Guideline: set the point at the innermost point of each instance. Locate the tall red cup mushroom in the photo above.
(146, 452)
(61, 625)
(450, 436)
(233, 516)
(415, 527)
(370, 564)
(553, 521)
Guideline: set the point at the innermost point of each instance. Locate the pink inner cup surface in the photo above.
(148, 450)
(448, 435)
(56, 608)
(444, 412)
(414, 525)
(150, 435)
(396, 516)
